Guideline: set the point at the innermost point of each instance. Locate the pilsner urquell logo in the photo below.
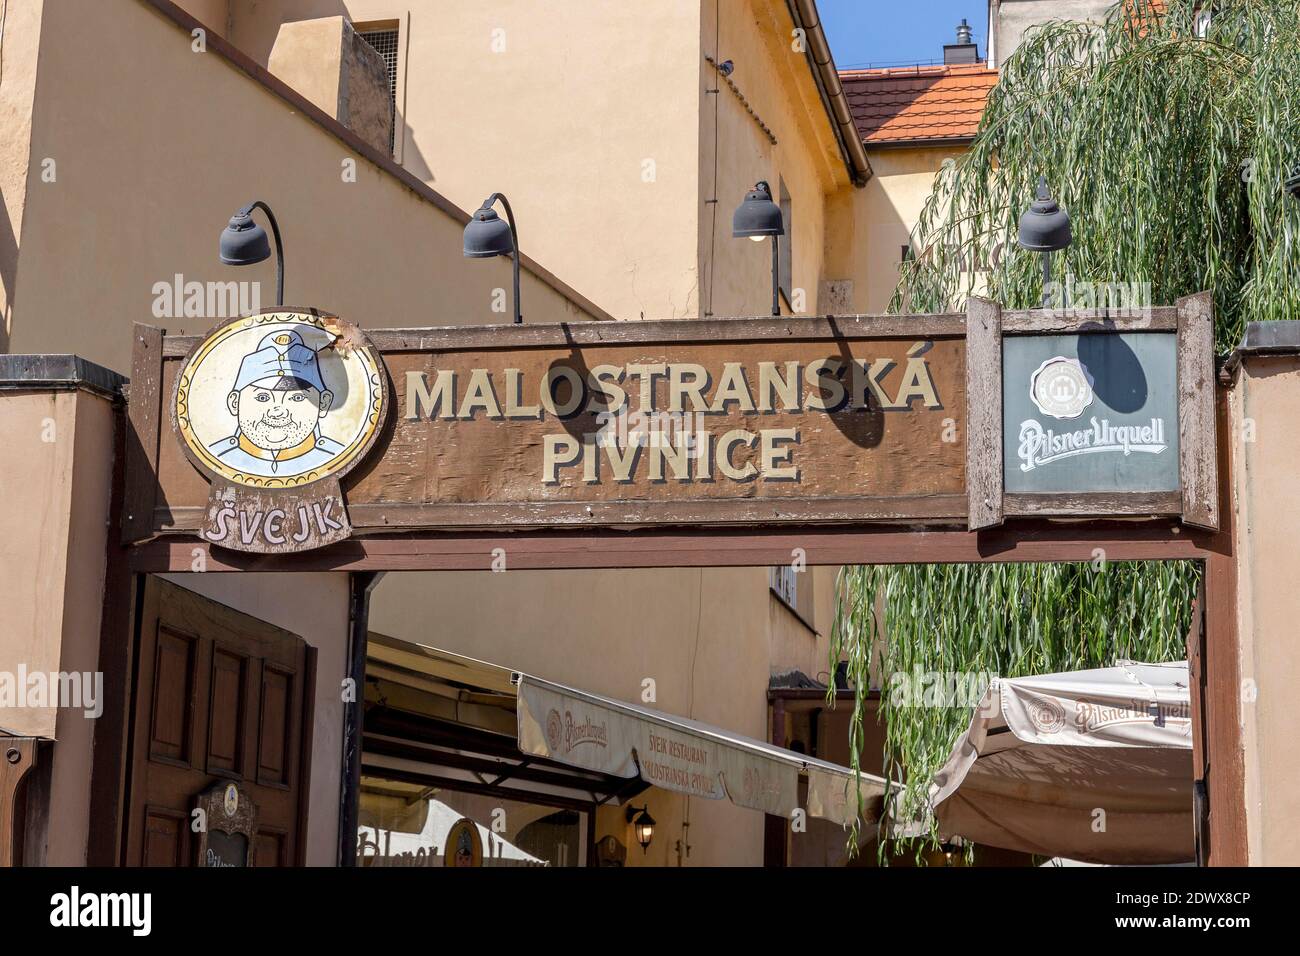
(1062, 388)
(1090, 717)
(1042, 446)
(567, 733)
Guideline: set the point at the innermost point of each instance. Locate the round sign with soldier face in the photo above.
(279, 399)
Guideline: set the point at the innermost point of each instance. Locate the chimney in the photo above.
(964, 50)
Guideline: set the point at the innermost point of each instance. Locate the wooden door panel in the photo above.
(219, 696)
(275, 731)
(164, 837)
(227, 703)
(173, 696)
(269, 848)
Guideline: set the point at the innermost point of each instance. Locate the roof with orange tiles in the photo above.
(918, 104)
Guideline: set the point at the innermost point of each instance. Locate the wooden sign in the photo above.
(464, 845)
(887, 419)
(229, 823)
(1092, 413)
(275, 408)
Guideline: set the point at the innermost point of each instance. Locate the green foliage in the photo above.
(1005, 620)
(1169, 149)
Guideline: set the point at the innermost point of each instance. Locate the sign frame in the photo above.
(982, 504)
(1191, 320)
(227, 808)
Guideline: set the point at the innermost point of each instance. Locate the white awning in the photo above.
(1093, 765)
(626, 740)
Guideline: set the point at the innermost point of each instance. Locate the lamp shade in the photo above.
(487, 235)
(757, 215)
(1045, 226)
(644, 825)
(244, 242)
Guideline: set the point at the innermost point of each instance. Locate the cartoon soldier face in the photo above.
(279, 396)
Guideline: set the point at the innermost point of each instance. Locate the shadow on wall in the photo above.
(253, 28)
(8, 272)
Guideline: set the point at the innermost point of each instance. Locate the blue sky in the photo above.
(893, 32)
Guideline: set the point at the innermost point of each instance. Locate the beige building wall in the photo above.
(1010, 19)
(187, 153)
(1265, 404)
(698, 640)
(770, 96)
(583, 114)
(606, 145)
(706, 657)
(888, 209)
(22, 32)
(214, 14)
(55, 482)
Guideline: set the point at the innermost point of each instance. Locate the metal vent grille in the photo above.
(384, 43)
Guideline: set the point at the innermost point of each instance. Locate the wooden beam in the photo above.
(1197, 447)
(117, 640)
(1162, 318)
(144, 416)
(983, 413)
(563, 334)
(1024, 540)
(1225, 768)
(412, 516)
(1063, 504)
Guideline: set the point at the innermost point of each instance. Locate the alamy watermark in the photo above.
(179, 299)
(918, 688)
(83, 690)
(1119, 299)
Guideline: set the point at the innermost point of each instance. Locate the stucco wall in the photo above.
(212, 13)
(1011, 18)
(887, 211)
(566, 112)
(775, 81)
(22, 31)
(55, 478)
(1265, 406)
(142, 194)
(561, 106)
(699, 634)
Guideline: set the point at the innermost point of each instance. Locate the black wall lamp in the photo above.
(487, 236)
(758, 217)
(643, 825)
(244, 242)
(1045, 228)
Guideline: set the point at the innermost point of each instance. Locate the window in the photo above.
(785, 264)
(384, 42)
(785, 583)
(793, 589)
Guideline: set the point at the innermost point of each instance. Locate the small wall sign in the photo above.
(229, 823)
(275, 408)
(464, 844)
(1095, 412)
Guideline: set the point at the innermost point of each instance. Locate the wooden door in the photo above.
(219, 696)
